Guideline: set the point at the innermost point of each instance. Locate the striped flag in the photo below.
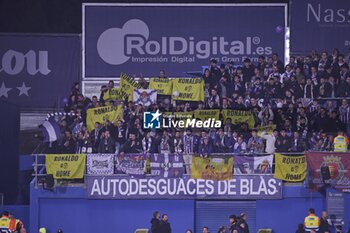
(51, 130)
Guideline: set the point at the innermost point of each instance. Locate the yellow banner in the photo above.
(163, 86)
(188, 89)
(65, 166)
(212, 168)
(206, 114)
(239, 116)
(115, 94)
(127, 85)
(111, 113)
(267, 128)
(290, 168)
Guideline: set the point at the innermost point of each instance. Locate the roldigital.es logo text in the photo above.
(117, 46)
(155, 120)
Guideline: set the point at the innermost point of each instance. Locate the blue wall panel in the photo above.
(68, 208)
(111, 216)
(215, 214)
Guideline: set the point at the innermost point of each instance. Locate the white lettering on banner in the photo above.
(262, 187)
(134, 187)
(200, 187)
(152, 187)
(14, 62)
(328, 15)
(114, 184)
(193, 191)
(163, 191)
(126, 190)
(96, 188)
(231, 187)
(222, 187)
(181, 189)
(272, 186)
(117, 45)
(210, 187)
(104, 190)
(143, 187)
(244, 186)
(116, 187)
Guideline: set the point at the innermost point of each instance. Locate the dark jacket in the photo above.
(106, 146)
(164, 227)
(155, 225)
(244, 229)
(129, 148)
(283, 144)
(324, 226)
(69, 148)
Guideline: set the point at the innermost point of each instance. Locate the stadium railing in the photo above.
(40, 175)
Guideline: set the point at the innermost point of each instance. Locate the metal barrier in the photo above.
(40, 175)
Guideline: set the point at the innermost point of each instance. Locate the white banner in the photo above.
(100, 164)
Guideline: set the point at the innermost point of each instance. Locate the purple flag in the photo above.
(131, 164)
(51, 130)
(167, 165)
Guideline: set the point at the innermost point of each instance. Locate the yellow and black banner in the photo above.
(188, 89)
(239, 116)
(115, 94)
(163, 86)
(206, 114)
(214, 168)
(111, 113)
(65, 166)
(127, 85)
(290, 168)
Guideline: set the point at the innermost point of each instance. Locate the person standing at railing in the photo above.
(107, 143)
(298, 143)
(255, 143)
(344, 115)
(221, 142)
(240, 146)
(283, 142)
(68, 144)
(120, 135)
(270, 141)
(166, 143)
(95, 136)
(178, 146)
(148, 143)
(189, 142)
(132, 145)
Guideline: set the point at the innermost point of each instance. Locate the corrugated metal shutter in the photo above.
(214, 214)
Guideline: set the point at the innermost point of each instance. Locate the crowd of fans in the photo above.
(306, 100)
